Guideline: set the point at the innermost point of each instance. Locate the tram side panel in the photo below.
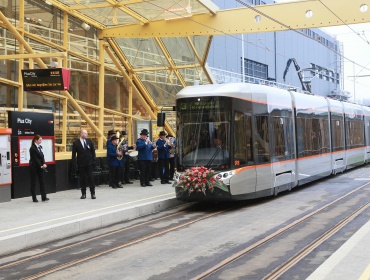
(312, 137)
(366, 111)
(338, 144)
(355, 138)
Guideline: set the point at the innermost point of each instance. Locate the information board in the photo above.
(47, 148)
(45, 79)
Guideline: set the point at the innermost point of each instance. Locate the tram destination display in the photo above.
(46, 79)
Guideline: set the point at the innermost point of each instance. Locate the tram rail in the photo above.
(302, 253)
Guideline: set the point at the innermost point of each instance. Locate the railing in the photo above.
(223, 77)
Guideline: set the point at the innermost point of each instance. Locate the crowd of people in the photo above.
(154, 159)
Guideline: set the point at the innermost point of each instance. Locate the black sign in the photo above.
(43, 79)
(30, 124)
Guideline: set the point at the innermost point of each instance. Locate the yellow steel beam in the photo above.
(170, 61)
(263, 18)
(32, 55)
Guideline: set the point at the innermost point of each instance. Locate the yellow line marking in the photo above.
(79, 214)
(366, 274)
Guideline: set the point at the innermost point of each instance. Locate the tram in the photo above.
(242, 141)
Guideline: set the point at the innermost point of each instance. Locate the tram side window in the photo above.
(304, 132)
(320, 135)
(262, 139)
(355, 133)
(282, 144)
(337, 129)
(242, 139)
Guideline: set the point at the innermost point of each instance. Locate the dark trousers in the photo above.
(126, 169)
(163, 169)
(37, 172)
(145, 171)
(86, 179)
(171, 162)
(115, 172)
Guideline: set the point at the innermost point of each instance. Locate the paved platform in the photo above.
(350, 261)
(25, 224)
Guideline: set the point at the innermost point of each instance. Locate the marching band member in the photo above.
(115, 164)
(163, 157)
(125, 175)
(144, 147)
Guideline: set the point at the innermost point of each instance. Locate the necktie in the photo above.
(85, 146)
(41, 153)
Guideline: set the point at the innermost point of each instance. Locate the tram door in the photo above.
(244, 182)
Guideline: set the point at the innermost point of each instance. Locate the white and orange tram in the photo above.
(262, 140)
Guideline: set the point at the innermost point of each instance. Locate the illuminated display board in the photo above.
(45, 79)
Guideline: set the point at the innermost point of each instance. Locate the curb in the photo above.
(28, 239)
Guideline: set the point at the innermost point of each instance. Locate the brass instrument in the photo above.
(120, 146)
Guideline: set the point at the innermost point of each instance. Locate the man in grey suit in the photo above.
(84, 163)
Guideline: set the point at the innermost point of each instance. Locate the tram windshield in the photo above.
(204, 132)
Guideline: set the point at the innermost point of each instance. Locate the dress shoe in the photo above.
(149, 185)
(83, 196)
(119, 186)
(93, 196)
(142, 185)
(45, 199)
(114, 187)
(168, 182)
(163, 182)
(129, 182)
(35, 200)
(123, 183)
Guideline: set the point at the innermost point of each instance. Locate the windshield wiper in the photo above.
(213, 157)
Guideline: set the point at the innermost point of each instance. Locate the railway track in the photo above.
(286, 265)
(69, 255)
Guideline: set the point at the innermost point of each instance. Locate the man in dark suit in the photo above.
(84, 148)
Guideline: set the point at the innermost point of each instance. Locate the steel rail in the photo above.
(314, 244)
(264, 240)
(126, 244)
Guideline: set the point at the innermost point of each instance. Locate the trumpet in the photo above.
(120, 146)
(150, 142)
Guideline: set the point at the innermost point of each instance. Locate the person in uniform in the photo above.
(172, 159)
(84, 162)
(163, 156)
(37, 167)
(125, 175)
(115, 164)
(111, 133)
(144, 147)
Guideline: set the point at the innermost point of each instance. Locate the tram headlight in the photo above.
(225, 175)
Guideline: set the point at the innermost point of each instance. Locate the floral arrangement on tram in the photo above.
(199, 180)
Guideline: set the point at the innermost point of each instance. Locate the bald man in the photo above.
(84, 148)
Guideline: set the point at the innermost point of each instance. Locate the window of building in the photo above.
(255, 69)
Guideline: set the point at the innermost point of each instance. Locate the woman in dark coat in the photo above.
(37, 167)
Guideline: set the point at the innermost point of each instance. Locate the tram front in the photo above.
(203, 138)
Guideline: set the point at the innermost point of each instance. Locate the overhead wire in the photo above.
(262, 14)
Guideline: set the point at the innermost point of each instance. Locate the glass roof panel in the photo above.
(180, 51)
(165, 9)
(110, 16)
(200, 44)
(190, 75)
(162, 85)
(142, 52)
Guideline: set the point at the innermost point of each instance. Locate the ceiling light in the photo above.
(364, 8)
(85, 26)
(309, 14)
(48, 2)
